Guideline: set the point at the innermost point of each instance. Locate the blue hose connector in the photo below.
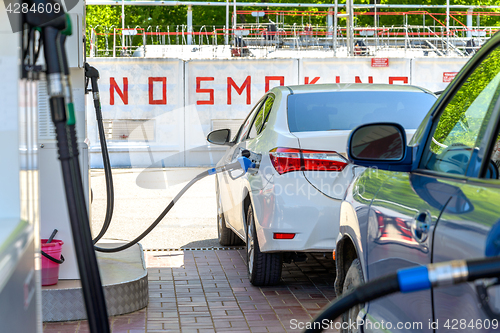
(414, 279)
(246, 163)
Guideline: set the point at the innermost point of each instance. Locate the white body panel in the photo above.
(289, 204)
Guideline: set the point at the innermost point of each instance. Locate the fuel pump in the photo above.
(53, 27)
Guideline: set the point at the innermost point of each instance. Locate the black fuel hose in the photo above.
(408, 280)
(483, 268)
(239, 164)
(157, 220)
(364, 293)
(242, 163)
(90, 278)
(93, 75)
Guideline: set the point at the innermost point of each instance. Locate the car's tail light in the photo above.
(285, 159)
(323, 161)
(281, 235)
(289, 159)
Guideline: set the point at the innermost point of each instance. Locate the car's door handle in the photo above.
(420, 226)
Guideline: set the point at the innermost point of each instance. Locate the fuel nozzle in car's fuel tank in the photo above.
(254, 157)
(248, 160)
(242, 163)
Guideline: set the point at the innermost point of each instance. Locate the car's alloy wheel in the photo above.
(226, 236)
(264, 269)
(353, 279)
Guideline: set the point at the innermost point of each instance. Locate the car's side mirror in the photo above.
(380, 145)
(220, 137)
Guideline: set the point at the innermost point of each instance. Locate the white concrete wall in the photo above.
(435, 74)
(199, 91)
(167, 113)
(220, 76)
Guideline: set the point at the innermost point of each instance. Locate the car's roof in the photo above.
(310, 88)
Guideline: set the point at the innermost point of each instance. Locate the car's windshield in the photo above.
(346, 110)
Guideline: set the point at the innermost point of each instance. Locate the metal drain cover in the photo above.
(199, 249)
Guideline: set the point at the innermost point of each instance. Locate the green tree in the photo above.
(462, 121)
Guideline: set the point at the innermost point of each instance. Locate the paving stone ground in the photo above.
(209, 291)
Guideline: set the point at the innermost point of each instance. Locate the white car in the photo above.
(292, 203)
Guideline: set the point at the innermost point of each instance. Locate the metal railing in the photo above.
(262, 39)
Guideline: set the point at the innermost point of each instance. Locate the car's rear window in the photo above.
(345, 110)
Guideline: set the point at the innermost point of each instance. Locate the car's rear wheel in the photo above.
(226, 236)
(353, 279)
(264, 269)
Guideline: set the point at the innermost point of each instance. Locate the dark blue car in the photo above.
(434, 199)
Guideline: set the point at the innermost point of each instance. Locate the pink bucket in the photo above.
(51, 259)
